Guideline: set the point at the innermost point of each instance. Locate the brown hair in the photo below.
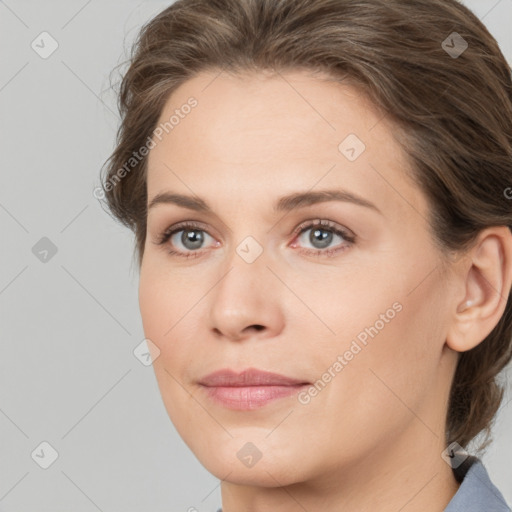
(453, 113)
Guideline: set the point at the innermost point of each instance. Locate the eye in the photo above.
(188, 237)
(322, 234)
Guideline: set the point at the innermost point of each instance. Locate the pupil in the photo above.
(324, 239)
(192, 239)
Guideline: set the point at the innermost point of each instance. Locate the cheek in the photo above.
(174, 305)
(386, 345)
(400, 372)
(163, 301)
(163, 306)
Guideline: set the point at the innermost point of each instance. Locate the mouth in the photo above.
(250, 389)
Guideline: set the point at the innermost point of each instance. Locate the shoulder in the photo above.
(476, 492)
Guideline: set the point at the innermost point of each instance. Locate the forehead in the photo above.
(286, 132)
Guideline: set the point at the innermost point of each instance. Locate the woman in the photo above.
(320, 194)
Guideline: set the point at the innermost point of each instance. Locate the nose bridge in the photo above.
(246, 272)
(247, 251)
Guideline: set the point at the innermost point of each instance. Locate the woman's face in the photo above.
(355, 305)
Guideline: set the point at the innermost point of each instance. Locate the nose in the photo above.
(247, 301)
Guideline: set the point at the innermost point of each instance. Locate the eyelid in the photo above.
(163, 236)
(315, 222)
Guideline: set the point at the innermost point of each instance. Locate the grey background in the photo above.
(69, 326)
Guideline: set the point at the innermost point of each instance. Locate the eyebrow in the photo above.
(283, 204)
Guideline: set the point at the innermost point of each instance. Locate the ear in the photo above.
(485, 280)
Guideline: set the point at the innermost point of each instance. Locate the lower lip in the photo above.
(250, 397)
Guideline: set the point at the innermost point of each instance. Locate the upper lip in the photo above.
(249, 377)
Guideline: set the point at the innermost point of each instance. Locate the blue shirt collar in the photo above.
(476, 492)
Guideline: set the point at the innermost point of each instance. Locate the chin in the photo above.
(260, 475)
(241, 463)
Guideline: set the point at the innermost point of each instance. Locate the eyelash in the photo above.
(326, 225)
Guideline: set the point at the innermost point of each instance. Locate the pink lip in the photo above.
(249, 389)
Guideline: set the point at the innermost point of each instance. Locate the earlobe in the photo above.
(487, 279)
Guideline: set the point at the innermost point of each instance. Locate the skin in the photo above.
(372, 438)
